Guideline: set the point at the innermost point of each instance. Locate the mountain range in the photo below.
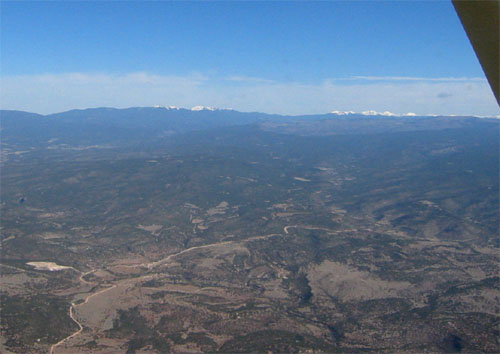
(140, 125)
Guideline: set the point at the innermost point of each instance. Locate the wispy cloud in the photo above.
(411, 78)
(248, 79)
(58, 92)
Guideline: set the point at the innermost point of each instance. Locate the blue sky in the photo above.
(276, 57)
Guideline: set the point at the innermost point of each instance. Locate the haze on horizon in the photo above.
(286, 58)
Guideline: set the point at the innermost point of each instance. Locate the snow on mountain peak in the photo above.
(388, 114)
(166, 107)
(374, 113)
(340, 113)
(202, 108)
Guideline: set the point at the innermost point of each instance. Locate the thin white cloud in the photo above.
(58, 92)
(248, 79)
(410, 78)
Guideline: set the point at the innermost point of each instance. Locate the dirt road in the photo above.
(73, 306)
(149, 266)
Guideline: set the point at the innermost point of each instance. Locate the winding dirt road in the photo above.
(168, 258)
(149, 266)
(305, 227)
(73, 306)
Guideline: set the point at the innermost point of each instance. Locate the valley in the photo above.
(313, 234)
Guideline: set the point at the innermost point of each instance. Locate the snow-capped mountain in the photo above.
(166, 107)
(374, 113)
(203, 108)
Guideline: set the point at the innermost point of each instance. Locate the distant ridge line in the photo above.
(207, 109)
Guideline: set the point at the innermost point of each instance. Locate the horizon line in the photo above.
(198, 108)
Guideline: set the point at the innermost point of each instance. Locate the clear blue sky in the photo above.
(222, 53)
